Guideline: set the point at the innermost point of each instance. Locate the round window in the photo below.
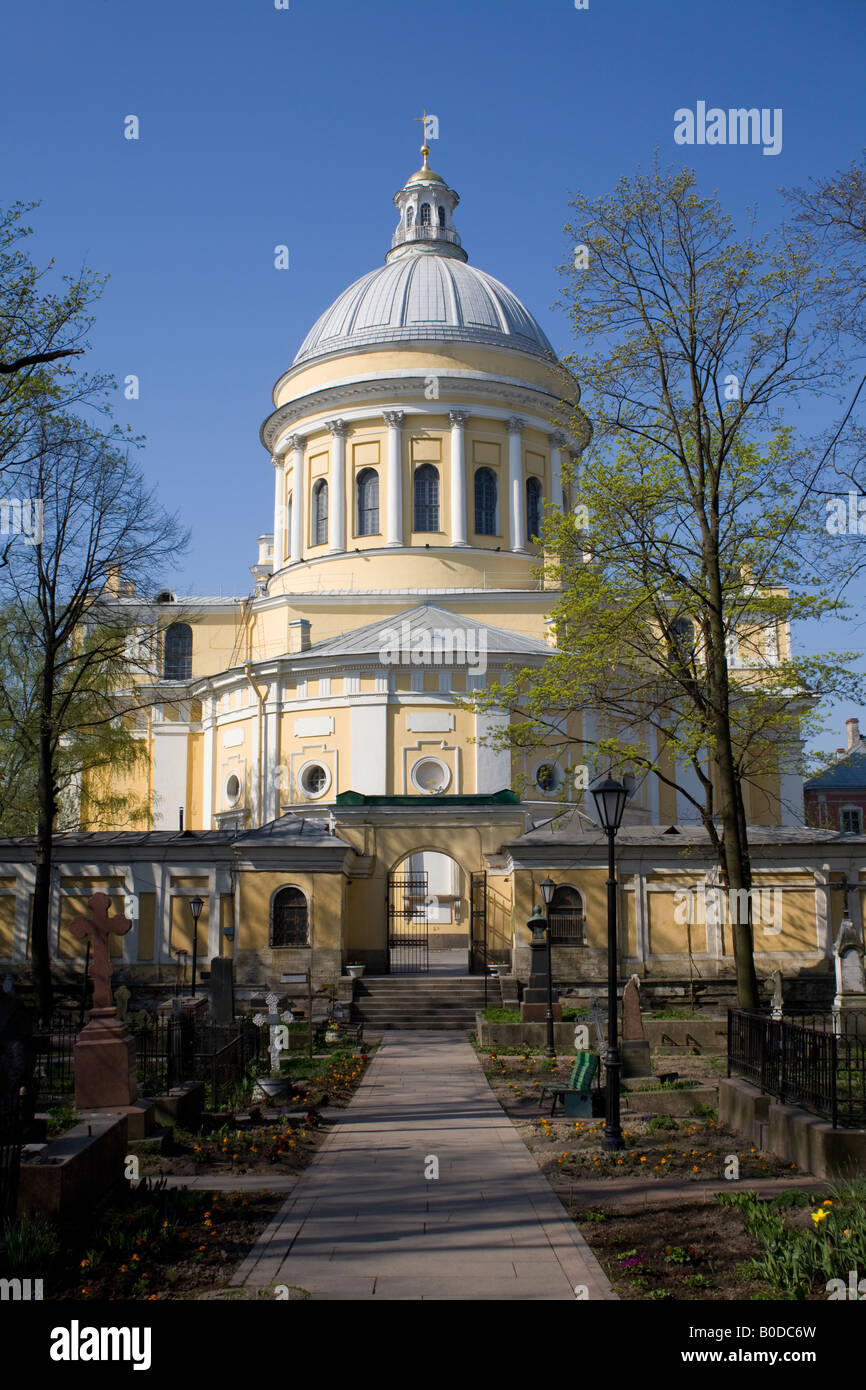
(548, 777)
(314, 779)
(233, 789)
(430, 775)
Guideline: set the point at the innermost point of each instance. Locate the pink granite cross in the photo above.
(97, 926)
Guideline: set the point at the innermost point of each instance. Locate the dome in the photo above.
(425, 291)
(424, 297)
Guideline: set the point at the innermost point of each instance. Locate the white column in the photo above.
(516, 510)
(209, 727)
(296, 444)
(337, 500)
(557, 444)
(279, 510)
(394, 421)
(458, 420)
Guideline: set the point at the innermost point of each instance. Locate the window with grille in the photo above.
(441, 217)
(425, 215)
(320, 513)
(567, 920)
(533, 508)
(177, 653)
(426, 498)
(851, 820)
(485, 502)
(290, 920)
(367, 487)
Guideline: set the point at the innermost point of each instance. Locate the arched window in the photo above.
(177, 653)
(426, 498)
(567, 920)
(533, 508)
(290, 921)
(425, 215)
(441, 217)
(320, 513)
(410, 215)
(367, 488)
(485, 502)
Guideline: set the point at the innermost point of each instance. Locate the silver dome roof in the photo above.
(425, 297)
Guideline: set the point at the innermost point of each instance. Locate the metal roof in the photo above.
(426, 620)
(424, 297)
(849, 773)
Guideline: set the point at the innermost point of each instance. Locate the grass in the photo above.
(687, 1014)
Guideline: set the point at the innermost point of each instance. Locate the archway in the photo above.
(428, 916)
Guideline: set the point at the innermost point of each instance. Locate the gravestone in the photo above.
(634, 1049)
(777, 1001)
(849, 1005)
(222, 990)
(276, 1022)
(533, 1007)
(104, 1055)
(121, 1000)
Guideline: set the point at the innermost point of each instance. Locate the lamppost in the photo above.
(548, 888)
(195, 907)
(610, 798)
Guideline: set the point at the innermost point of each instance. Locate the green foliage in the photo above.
(492, 1015)
(661, 1122)
(798, 1262)
(60, 1118)
(28, 1246)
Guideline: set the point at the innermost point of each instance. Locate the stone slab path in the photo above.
(364, 1222)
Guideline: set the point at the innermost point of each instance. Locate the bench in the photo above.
(576, 1092)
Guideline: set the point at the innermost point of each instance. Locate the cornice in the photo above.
(409, 393)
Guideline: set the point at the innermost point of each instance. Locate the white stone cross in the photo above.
(279, 1034)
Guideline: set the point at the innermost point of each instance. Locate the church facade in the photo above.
(315, 771)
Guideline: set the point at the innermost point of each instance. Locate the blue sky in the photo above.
(262, 126)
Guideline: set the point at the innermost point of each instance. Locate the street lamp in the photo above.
(195, 907)
(548, 888)
(610, 798)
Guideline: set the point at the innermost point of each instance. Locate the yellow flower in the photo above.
(819, 1215)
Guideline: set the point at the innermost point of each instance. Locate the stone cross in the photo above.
(848, 951)
(596, 1018)
(273, 1018)
(98, 926)
(632, 1023)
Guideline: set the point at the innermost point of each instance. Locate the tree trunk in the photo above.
(735, 861)
(41, 925)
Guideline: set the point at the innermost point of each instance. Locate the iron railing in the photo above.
(11, 1135)
(821, 1067)
(168, 1052)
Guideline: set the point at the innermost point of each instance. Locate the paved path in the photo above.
(363, 1222)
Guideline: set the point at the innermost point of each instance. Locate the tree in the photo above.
(61, 611)
(41, 330)
(694, 519)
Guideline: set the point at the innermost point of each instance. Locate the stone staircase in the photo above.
(422, 1001)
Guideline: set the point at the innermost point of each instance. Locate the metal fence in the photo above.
(168, 1051)
(819, 1064)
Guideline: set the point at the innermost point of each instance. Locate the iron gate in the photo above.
(407, 924)
(478, 923)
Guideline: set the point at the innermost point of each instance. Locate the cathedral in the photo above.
(315, 772)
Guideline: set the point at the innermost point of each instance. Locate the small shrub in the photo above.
(661, 1122)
